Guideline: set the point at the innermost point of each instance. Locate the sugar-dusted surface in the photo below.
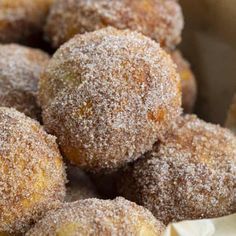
(20, 68)
(79, 185)
(108, 96)
(99, 217)
(161, 20)
(191, 175)
(21, 19)
(188, 81)
(32, 177)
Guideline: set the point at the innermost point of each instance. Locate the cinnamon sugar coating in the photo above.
(188, 81)
(32, 176)
(20, 68)
(20, 20)
(108, 96)
(191, 175)
(98, 218)
(161, 20)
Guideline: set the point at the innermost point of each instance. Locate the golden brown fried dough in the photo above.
(22, 19)
(188, 81)
(20, 68)
(161, 20)
(191, 175)
(108, 96)
(98, 218)
(32, 176)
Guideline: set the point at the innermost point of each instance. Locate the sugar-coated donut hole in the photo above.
(20, 68)
(99, 217)
(32, 175)
(190, 175)
(22, 21)
(108, 96)
(161, 20)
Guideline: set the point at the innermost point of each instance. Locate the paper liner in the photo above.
(209, 43)
(224, 226)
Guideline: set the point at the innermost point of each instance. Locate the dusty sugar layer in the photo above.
(191, 175)
(20, 68)
(79, 185)
(99, 217)
(158, 19)
(188, 81)
(20, 20)
(32, 177)
(108, 96)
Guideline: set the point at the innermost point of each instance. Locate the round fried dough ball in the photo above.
(98, 217)
(188, 81)
(20, 68)
(191, 175)
(231, 117)
(32, 176)
(161, 20)
(22, 19)
(79, 185)
(108, 96)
